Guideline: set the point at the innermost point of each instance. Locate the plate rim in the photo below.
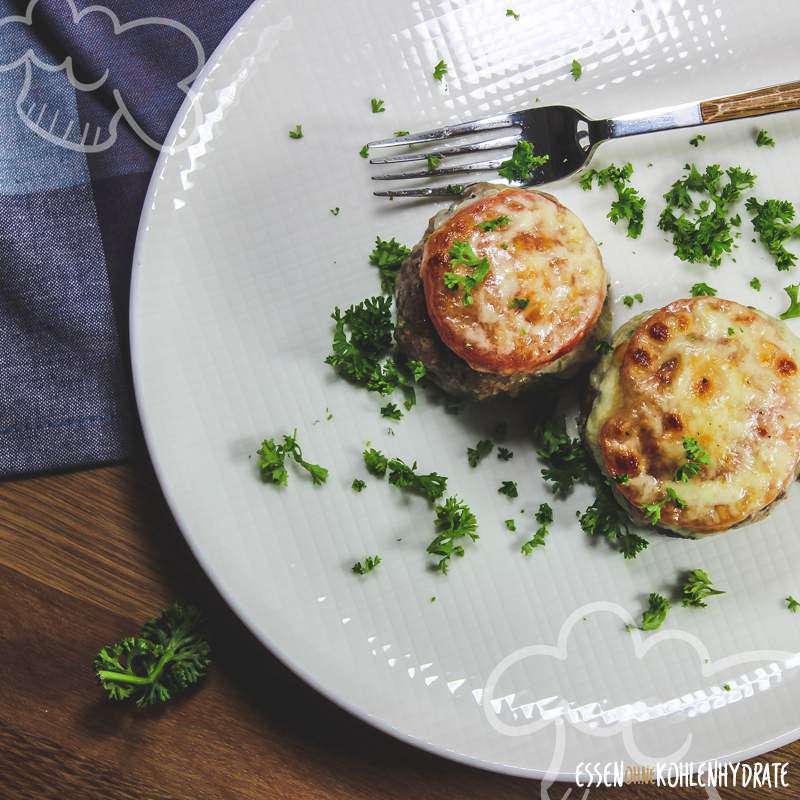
(214, 60)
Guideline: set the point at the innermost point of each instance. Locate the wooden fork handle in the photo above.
(783, 97)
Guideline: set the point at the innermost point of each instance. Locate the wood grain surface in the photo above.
(84, 559)
(784, 97)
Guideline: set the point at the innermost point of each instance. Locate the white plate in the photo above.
(239, 263)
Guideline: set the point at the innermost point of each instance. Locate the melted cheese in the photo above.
(715, 371)
(544, 255)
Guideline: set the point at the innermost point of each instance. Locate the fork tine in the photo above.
(453, 150)
(475, 166)
(448, 131)
(426, 191)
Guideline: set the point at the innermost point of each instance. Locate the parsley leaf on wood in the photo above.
(697, 588)
(522, 163)
(168, 656)
(772, 222)
(454, 522)
(629, 205)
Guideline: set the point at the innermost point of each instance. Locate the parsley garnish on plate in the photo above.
(432, 162)
(604, 518)
(755, 283)
(462, 255)
(482, 449)
(391, 411)
(509, 489)
(297, 132)
(369, 564)
(702, 231)
(440, 70)
(794, 305)
(655, 613)
(772, 221)
(511, 13)
(364, 151)
(695, 140)
(431, 486)
(697, 588)
(454, 523)
(629, 299)
(544, 516)
(522, 163)
(792, 604)
(388, 256)
(575, 69)
(493, 224)
(335, 211)
(511, 525)
(703, 290)
(375, 462)
(377, 105)
(272, 461)
(763, 139)
(653, 510)
(504, 454)
(358, 485)
(696, 458)
(168, 656)
(629, 205)
(401, 133)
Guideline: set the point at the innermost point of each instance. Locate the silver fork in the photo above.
(566, 135)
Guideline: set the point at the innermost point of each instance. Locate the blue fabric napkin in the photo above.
(86, 96)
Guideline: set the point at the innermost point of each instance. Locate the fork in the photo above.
(566, 135)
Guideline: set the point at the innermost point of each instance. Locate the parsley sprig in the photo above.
(431, 486)
(575, 69)
(462, 255)
(454, 523)
(482, 449)
(794, 304)
(703, 290)
(763, 139)
(509, 489)
(368, 565)
(544, 516)
(697, 588)
(792, 604)
(388, 256)
(493, 224)
(696, 459)
(629, 205)
(702, 232)
(522, 164)
(656, 612)
(653, 510)
(272, 461)
(440, 70)
(772, 221)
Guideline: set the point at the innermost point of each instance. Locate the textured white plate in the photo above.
(238, 265)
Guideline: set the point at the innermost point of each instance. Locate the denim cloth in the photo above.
(74, 170)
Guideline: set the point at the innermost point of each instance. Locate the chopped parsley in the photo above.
(504, 454)
(603, 347)
(358, 485)
(401, 133)
(509, 489)
(272, 461)
(377, 105)
(454, 522)
(604, 518)
(431, 486)
(493, 224)
(792, 604)
(440, 70)
(794, 305)
(370, 562)
(511, 13)
(297, 132)
(701, 232)
(544, 516)
(462, 255)
(703, 290)
(629, 205)
(391, 411)
(755, 283)
(335, 211)
(695, 140)
(362, 341)
(522, 163)
(697, 588)
(375, 462)
(482, 449)
(655, 613)
(388, 256)
(696, 457)
(763, 139)
(653, 510)
(575, 69)
(519, 302)
(772, 221)
(511, 525)
(364, 151)
(630, 299)
(433, 162)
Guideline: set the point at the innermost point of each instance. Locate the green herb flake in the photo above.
(544, 516)
(272, 461)
(763, 139)
(432, 162)
(697, 588)
(522, 164)
(575, 69)
(296, 133)
(603, 347)
(511, 525)
(493, 224)
(630, 299)
(792, 604)
(391, 411)
(364, 151)
(358, 485)
(462, 255)
(504, 454)
(476, 454)
(703, 290)
(755, 283)
(655, 613)
(454, 523)
(440, 70)
(368, 565)
(695, 140)
(335, 211)
(794, 306)
(378, 106)
(388, 256)
(696, 456)
(519, 302)
(509, 489)
(772, 221)
(629, 205)
(511, 13)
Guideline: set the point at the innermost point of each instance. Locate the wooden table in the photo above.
(84, 559)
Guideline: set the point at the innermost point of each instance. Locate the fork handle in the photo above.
(783, 97)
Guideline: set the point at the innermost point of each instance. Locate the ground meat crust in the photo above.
(543, 257)
(716, 371)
